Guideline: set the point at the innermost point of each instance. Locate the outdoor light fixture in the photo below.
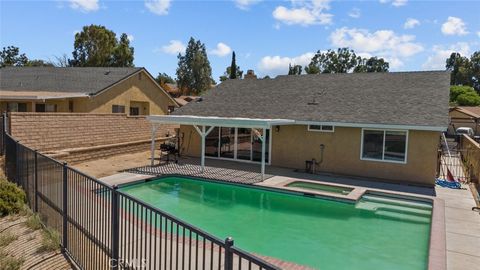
(277, 128)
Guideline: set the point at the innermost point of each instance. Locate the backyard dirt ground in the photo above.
(111, 165)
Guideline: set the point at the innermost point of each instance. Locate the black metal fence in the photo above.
(104, 228)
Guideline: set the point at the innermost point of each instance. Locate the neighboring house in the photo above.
(87, 90)
(464, 117)
(184, 100)
(382, 126)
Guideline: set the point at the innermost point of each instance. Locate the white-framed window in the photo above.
(384, 145)
(321, 128)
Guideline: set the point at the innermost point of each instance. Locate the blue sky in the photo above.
(266, 35)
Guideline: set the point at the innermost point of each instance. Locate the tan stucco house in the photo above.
(383, 126)
(464, 116)
(84, 90)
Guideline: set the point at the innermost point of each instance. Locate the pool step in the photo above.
(398, 201)
(397, 209)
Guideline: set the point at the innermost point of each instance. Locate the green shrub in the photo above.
(12, 198)
(10, 263)
(33, 222)
(50, 241)
(6, 238)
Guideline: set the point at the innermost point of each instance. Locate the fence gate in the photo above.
(450, 164)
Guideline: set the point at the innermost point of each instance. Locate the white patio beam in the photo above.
(152, 145)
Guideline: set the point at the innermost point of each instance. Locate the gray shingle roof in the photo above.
(89, 80)
(395, 98)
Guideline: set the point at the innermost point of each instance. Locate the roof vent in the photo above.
(200, 99)
(107, 73)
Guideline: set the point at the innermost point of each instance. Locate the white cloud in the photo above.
(454, 26)
(382, 43)
(399, 3)
(478, 34)
(275, 65)
(441, 53)
(174, 47)
(130, 38)
(245, 4)
(159, 7)
(304, 13)
(84, 5)
(354, 13)
(395, 3)
(221, 50)
(411, 23)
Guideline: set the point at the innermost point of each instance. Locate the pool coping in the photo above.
(437, 253)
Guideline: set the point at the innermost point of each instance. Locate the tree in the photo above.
(464, 96)
(459, 66)
(233, 71)
(372, 64)
(344, 60)
(295, 70)
(96, 46)
(123, 53)
(164, 78)
(61, 61)
(10, 56)
(194, 74)
(341, 61)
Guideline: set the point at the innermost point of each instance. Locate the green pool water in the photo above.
(375, 233)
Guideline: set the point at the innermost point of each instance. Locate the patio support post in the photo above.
(203, 149)
(152, 146)
(203, 134)
(263, 138)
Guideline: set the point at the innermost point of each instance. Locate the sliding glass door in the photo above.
(236, 144)
(244, 143)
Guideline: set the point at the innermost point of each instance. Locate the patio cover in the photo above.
(200, 123)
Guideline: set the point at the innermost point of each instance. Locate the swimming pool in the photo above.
(377, 232)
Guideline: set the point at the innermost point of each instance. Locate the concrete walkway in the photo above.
(462, 228)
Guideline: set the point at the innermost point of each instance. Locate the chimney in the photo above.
(250, 74)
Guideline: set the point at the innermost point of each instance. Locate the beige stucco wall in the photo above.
(137, 88)
(292, 145)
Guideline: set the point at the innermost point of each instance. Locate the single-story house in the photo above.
(463, 116)
(84, 90)
(383, 126)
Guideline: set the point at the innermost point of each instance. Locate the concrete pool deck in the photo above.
(462, 224)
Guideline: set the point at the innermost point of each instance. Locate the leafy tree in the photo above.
(464, 96)
(194, 74)
(164, 78)
(464, 71)
(341, 61)
(96, 46)
(123, 53)
(10, 56)
(295, 70)
(372, 64)
(344, 60)
(233, 71)
(460, 69)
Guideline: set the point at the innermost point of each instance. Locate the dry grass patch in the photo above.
(8, 262)
(6, 238)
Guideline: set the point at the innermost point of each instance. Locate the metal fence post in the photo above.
(65, 210)
(228, 253)
(115, 228)
(17, 166)
(35, 182)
